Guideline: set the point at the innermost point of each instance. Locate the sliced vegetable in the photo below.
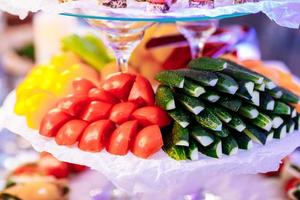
(256, 134)
(266, 101)
(202, 77)
(121, 112)
(226, 84)
(207, 64)
(289, 97)
(82, 86)
(209, 120)
(297, 122)
(151, 115)
(96, 94)
(276, 93)
(281, 108)
(230, 103)
(222, 133)
(222, 113)
(276, 121)
(201, 135)
(180, 136)
(147, 142)
(280, 132)
(164, 98)
(269, 83)
(293, 112)
(245, 90)
(73, 105)
(229, 145)
(96, 110)
(255, 100)
(192, 151)
(176, 152)
(192, 88)
(180, 116)
(244, 142)
(263, 121)
(248, 111)
(260, 87)
(192, 104)
(214, 150)
(270, 135)
(171, 78)
(290, 126)
(237, 124)
(210, 96)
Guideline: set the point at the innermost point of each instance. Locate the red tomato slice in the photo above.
(97, 94)
(96, 110)
(77, 168)
(152, 115)
(52, 122)
(121, 112)
(73, 105)
(121, 138)
(142, 92)
(147, 142)
(53, 167)
(70, 132)
(119, 85)
(82, 86)
(96, 136)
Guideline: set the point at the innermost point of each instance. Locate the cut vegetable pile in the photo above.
(119, 116)
(219, 107)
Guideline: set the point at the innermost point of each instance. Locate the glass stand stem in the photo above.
(197, 34)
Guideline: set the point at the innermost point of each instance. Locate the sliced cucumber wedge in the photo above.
(192, 104)
(269, 83)
(202, 77)
(180, 136)
(193, 89)
(229, 145)
(210, 96)
(256, 134)
(290, 126)
(248, 111)
(192, 151)
(175, 152)
(276, 92)
(214, 150)
(222, 113)
(267, 102)
(281, 108)
(201, 135)
(260, 87)
(294, 112)
(209, 120)
(263, 121)
(270, 135)
(277, 121)
(180, 116)
(230, 103)
(255, 100)
(223, 133)
(280, 132)
(243, 141)
(297, 122)
(164, 98)
(237, 124)
(289, 97)
(207, 64)
(171, 78)
(226, 84)
(245, 90)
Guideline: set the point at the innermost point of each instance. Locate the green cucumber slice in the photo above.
(255, 100)
(267, 102)
(270, 135)
(171, 78)
(241, 73)
(164, 98)
(280, 132)
(263, 121)
(222, 114)
(297, 122)
(202, 77)
(290, 126)
(281, 108)
(229, 145)
(237, 124)
(214, 150)
(209, 120)
(201, 135)
(180, 136)
(289, 97)
(245, 90)
(256, 134)
(175, 152)
(260, 87)
(230, 103)
(294, 112)
(248, 111)
(192, 151)
(207, 64)
(222, 133)
(192, 104)
(269, 83)
(277, 121)
(180, 116)
(276, 92)
(193, 89)
(210, 96)
(226, 84)
(243, 141)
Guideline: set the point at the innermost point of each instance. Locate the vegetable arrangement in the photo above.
(119, 116)
(219, 107)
